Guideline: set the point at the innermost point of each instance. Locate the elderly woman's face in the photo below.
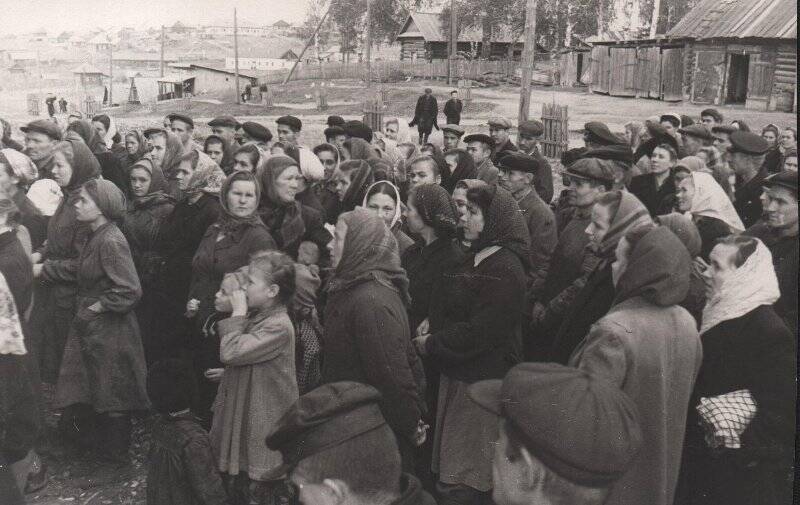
(788, 141)
(770, 137)
(243, 163)
(720, 268)
(86, 210)
(685, 194)
(391, 130)
(183, 173)
(472, 222)
(599, 225)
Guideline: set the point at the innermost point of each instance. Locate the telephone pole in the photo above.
(236, 55)
(162, 51)
(110, 75)
(368, 42)
(453, 43)
(528, 57)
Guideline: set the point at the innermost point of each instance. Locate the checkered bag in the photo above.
(725, 417)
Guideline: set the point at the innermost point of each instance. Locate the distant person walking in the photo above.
(453, 107)
(62, 105)
(425, 115)
(51, 105)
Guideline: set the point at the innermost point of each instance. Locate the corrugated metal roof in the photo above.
(739, 19)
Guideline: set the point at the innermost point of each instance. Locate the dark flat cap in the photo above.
(228, 121)
(697, 130)
(500, 122)
(593, 169)
(333, 131)
(580, 426)
(322, 418)
(686, 120)
(44, 126)
(257, 131)
(600, 132)
(358, 129)
(785, 179)
(150, 131)
(724, 128)
(290, 121)
(454, 128)
(335, 121)
(713, 113)
(748, 143)
(181, 117)
(531, 128)
(520, 162)
(480, 137)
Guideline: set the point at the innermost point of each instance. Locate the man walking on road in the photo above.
(425, 115)
(452, 109)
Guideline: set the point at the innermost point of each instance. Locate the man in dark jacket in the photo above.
(499, 130)
(425, 115)
(529, 133)
(452, 109)
(337, 448)
(746, 157)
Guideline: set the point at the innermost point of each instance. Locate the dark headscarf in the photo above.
(133, 158)
(173, 153)
(503, 223)
(630, 214)
(228, 222)
(370, 252)
(84, 165)
(659, 267)
(89, 135)
(227, 152)
(436, 208)
(361, 178)
(284, 220)
(158, 184)
(360, 149)
(465, 169)
(108, 198)
(684, 228)
(438, 157)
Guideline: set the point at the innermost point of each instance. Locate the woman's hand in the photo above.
(419, 344)
(238, 303)
(192, 306)
(214, 374)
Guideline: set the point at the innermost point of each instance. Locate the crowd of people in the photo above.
(373, 320)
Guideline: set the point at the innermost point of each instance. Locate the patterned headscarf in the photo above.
(207, 176)
(503, 225)
(12, 340)
(436, 208)
(284, 220)
(20, 165)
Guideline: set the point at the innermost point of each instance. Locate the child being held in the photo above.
(181, 467)
(257, 348)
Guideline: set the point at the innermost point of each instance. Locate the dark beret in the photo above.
(600, 132)
(593, 169)
(44, 126)
(257, 131)
(785, 179)
(228, 121)
(335, 121)
(686, 120)
(290, 121)
(333, 131)
(713, 113)
(697, 130)
(181, 117)
(531, 128)
(580, 426)
(480, 137)
(724, 128)
(322, 418)
(520, 162)
(358, 129)
(748, 143)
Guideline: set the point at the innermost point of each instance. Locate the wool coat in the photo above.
(542, 229)
(258, 387)
(425, 114)
(452, 110)
(32, 219)
(785, 257)
(104, 362)
(543, 178)
(657, 199)
(747, 199)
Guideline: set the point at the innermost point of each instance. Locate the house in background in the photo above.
(209, 79)
(277, 54)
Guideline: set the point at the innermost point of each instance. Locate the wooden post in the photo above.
(451, 78)
(528, 56)
(368, 41)
(110, 75)
(308, 43)
(162, 51)
(236, 55)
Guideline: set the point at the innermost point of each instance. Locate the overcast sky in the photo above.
(21, 16)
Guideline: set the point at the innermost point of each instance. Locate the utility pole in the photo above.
(453, 43)
(528, 57)
(368, 41)
(236, 55)
(305, 48)
(110, 75)
(162, 51)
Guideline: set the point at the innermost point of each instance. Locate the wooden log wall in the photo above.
(785, 80)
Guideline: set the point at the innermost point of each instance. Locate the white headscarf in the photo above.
(112, 130)
(753, 284)
(310, 166)
(398, 208)
(710, 200)
(11, 338)
(46, 195)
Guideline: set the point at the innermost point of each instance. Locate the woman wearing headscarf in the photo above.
(739, 445)
(178, 238)
(352, 179)
(289, 221)
(6, 142)
(476, 334)
(55, 266)
(329, 156)
(614, 214)
(712, 212)
(104, 367)
(460, 166)
(167, 153)
(135, 149)
(17, 173)
(311, 173)
(148, 207)
(220, 151)
(366, 326)
(648, 346)
(684, 228)
(383, 198)
(107, 130)
(773, 158)
(110, 167)
(717, 167)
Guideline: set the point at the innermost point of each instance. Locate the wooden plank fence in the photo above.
(555, 140)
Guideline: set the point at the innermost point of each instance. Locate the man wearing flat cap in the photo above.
(499, 130)
(722, 142)
(225, 128)
(183, 126)
(256, 134)
(425, 115)
(528, 135)
(597, 134)
(778, 229)
(41, 137)
(338, 449)
(565, 436)
(695, 137)
(359, 130)
(746, 156)
(711, 118)
(335, 135)
(451, 135)
(480, 146)
(288, 129)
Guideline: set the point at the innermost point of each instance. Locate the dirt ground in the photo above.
(85, 481)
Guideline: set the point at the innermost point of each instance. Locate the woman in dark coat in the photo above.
(461, 166)
(476, 334)
(288, 221)
(55, 307)
(109, 163)
(178, 239)
(17, 173)
(366, 326)
(147, 209)
(749, 369)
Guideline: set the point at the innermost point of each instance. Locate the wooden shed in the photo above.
(574, 64)
(741, 52)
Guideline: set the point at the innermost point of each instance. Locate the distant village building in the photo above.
(86, 76)
(139, 60)
(271, 59)
(208, 78)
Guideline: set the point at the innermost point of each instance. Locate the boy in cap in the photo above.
(746, 157)
(338, 449)
(452, 109)
(695, 137)
(41, 137)
(499, 131)
(565, 436)
(288, 128)
(451, 135)
(528, 135)
(425, 115)
(183, 126)
(480, 147)
(711, 118)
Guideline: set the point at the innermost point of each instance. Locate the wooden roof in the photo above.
(769, 19)
(428, 25)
